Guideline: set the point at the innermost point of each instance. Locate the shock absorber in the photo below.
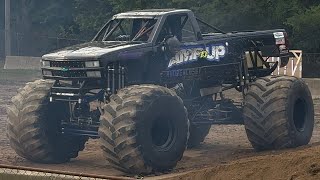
(108, 80)
(115, 77)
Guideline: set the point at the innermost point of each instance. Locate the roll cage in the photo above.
(152, 28)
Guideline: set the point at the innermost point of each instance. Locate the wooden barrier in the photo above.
(294, 66)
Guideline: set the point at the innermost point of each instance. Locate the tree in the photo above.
(306, 29)
(81, 19)
(1, 14)
(90, 15)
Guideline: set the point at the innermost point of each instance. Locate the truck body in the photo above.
(131, 49)
(151, 84)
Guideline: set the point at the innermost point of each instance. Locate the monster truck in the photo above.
(151, 83)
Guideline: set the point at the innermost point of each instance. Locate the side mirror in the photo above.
(171, 45)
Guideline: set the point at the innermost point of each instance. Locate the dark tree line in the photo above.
(82, 18)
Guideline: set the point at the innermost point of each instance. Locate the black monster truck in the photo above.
(150, 84)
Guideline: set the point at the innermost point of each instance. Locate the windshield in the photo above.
(126, 30)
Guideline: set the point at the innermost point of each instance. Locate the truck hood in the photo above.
(91, 50)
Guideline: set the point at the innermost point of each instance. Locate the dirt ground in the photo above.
(225, 154)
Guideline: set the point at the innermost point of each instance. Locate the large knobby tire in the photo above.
(32, 126)
(278, 113)
(144, 129)
(197, 135)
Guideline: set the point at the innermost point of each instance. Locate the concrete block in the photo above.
(314, 86)
(22, 62)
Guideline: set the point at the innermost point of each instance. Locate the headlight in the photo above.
(94, 74)
(92, 64)
(45, 63)
(47, 73)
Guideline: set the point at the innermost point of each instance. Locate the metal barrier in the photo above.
(35, 44)
(26, 173)
(311, 65)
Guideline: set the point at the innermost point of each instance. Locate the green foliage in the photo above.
(306, 29)
(126, 5)
(83, 18)
(50, 17)
(236, 15)
(90, 15)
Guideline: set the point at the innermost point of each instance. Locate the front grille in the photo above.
(68, 64)
(69, 73)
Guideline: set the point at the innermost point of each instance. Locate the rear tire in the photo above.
(278, 113)
(144, 129)
(32, 126)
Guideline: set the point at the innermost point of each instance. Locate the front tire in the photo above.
(32, 126)
(278, 113)
(144, 129)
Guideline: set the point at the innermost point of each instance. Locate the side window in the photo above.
(188, 33)
(179, 26)
(164, 32)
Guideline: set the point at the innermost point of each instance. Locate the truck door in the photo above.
(181, 27)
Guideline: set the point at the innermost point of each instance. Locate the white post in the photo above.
(7, 28)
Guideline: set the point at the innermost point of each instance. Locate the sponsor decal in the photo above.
(189, 54)
(278, 35)
(182, 72)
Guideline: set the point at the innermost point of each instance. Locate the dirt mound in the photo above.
(302, 163)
